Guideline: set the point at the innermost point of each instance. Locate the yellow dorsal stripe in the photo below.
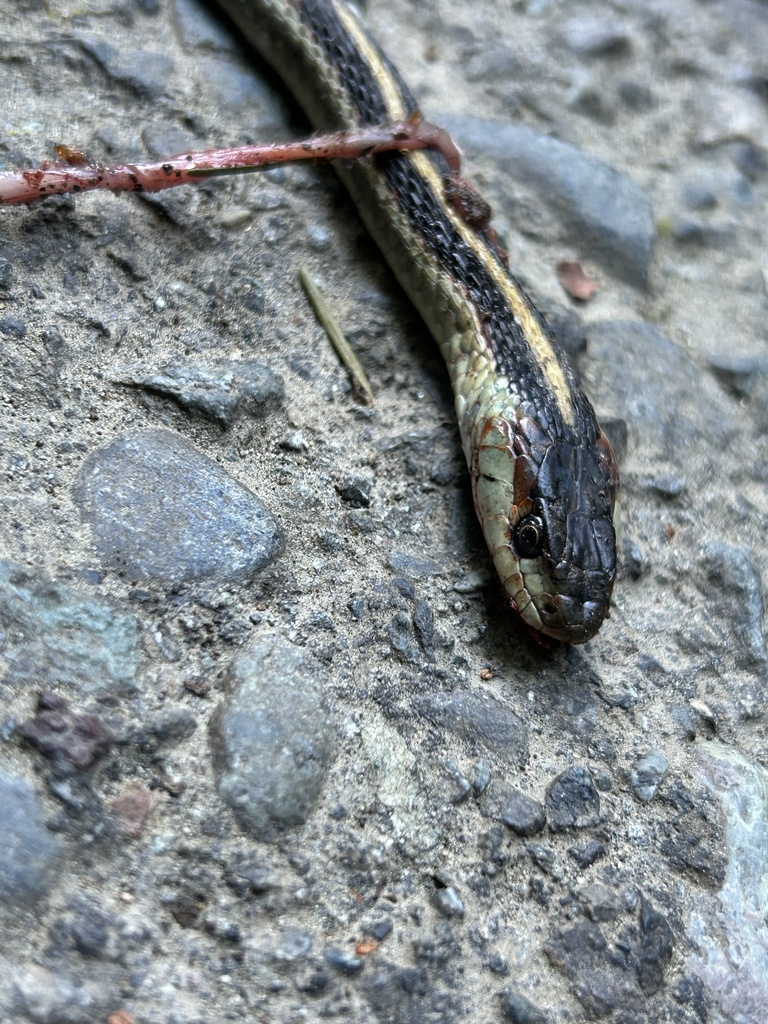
(525, 318)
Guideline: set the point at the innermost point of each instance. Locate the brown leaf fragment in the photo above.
(69, 154)
(575, 280)
(60, 733)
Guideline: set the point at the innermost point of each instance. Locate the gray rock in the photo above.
(344, 962)
(647, 775)
(692, 834)
(606, 214)
(30, 853)
(271, 737)
(653, 949)
(224, 391)
(413, 566)
(13, 327)
(160, 510)
(572, 800)
(585, 855)
(397, 995)
(51, 997)
(604, 978)
(731, 572)
(601, 902)
(739, 374)
(519, 812)
(668, 415)
(727, 928)
(516, 1009)
(197, 27)
(448, 902)
(495, 62)
(6, 273)
(402, 637)
(379, 929)
(59, 635)
(144, 73)
(89, 928)
(480, 719)
(545, 858)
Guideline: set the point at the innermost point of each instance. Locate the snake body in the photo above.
(544, 476)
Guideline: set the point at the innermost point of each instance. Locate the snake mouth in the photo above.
(563, 618)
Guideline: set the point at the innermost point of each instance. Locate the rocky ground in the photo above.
(272, 747)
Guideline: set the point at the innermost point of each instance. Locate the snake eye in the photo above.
(529, 536)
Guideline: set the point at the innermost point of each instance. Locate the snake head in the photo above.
(547, 508)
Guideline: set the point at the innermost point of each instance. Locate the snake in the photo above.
(543, 473)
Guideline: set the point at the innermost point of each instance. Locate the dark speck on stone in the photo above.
(160, 510)
(572, 800)
(271, 737)
(29, 852)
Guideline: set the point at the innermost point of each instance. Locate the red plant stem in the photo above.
(57, 178)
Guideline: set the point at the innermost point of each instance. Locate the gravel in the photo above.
(272, 746)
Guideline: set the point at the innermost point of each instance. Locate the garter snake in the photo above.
(544, 477)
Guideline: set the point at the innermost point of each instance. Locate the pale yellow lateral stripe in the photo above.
(386, 82)
(524, 317)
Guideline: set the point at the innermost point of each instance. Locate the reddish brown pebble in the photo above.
(131, 810)
(575, 280)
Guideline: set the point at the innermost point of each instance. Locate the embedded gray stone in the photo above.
(572, 800)
(30, 853)
(271, 737)
(608, 214)
(58, 634)
(647, 775)
(160, 510)
(223, 391)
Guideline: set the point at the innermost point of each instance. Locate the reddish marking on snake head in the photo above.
(525, 478)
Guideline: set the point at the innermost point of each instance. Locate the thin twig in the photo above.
(331, 326)
(73, 174)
